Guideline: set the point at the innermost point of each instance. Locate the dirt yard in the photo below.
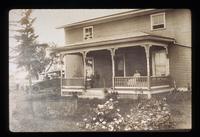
(23, 120)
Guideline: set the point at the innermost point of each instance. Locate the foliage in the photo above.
(151, 114)
(30, 54)
(105, 117)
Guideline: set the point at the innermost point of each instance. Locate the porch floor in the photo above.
(123, 93)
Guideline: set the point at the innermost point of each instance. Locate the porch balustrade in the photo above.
(141, 81)
(131, 81)
(160, 80)
(73, 82)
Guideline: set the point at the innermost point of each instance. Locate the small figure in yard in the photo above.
(136, 74)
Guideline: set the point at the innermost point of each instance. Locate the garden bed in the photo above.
(22, 119)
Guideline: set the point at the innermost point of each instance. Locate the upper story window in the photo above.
(88, 33)
(158, 21)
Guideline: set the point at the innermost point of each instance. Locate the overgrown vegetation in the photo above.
(151, 114)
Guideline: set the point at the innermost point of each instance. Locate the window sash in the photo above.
(88, 33)
(158, 21)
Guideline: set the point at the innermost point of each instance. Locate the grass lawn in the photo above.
(22, 120)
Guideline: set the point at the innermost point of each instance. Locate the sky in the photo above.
(47, 20)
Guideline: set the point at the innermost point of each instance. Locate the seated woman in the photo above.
(136, 74)
(133, 81)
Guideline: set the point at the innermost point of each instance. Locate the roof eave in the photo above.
(107, 42)
(112, 17)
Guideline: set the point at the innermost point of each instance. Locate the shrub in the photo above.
(151, 114)
(105, 117)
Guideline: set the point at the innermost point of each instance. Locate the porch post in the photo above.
(61, 77)
(84, 54)
(124, 58)
(112, 51)
(147, 49)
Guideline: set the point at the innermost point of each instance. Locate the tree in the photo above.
(30, 54)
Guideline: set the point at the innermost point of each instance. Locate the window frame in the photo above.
(151, 18)
(84, 32)
(154, 65)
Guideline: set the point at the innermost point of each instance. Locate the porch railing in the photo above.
(160, 80)
(131, 81)
(141, 81)
(73, 82)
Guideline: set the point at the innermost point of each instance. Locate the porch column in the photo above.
(112, 51)
(84, 53)
(147, 49)
(61, 77)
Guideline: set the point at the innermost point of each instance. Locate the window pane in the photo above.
(88, 33)
(158, 19)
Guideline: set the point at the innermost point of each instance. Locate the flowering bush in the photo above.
(105, 117)
(151, 114)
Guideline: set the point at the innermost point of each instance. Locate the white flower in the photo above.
(128, 116)
(143, 121)
(100, 106)
(110, 99)
(151, 114)
(104, 122)
(85, 119)
(87, 126)
(111, 128)
(110, 107)
(100, 113)
(97, 123)
(117, 122)
(127, 128)
(93, 118)
(164, 108)
(101, 119)
(118, 110)
(103, 127)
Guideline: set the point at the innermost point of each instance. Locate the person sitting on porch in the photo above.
(133, 81)
(136, 74)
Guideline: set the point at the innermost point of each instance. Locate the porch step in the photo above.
(134, 93)
(162, 90)
(94, 93)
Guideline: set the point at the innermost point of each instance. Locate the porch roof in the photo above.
(115, 41)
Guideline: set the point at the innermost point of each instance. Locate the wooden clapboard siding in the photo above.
(178, 26)
(180, 65)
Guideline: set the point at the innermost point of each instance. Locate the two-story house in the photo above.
(107, 52)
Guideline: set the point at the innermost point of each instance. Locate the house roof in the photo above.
(114, 41)
(117, 16)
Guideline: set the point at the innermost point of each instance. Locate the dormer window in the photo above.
(88, 33)
(158, 21)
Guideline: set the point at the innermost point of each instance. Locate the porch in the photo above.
(126, 87)
(113, 63)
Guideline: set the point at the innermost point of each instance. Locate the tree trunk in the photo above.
(29, 75)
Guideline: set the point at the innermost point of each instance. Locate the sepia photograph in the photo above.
(100, 70)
